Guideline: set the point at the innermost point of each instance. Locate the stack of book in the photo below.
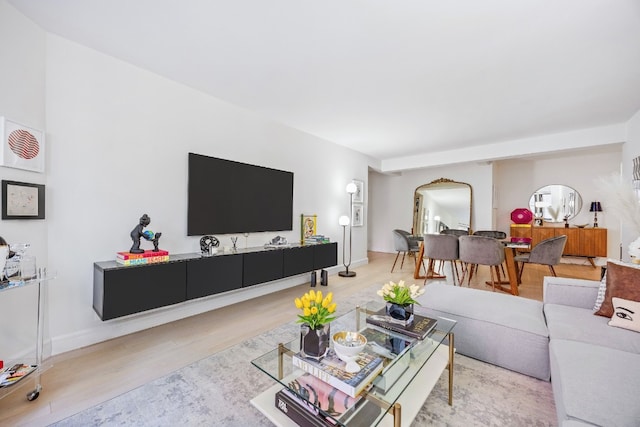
(316, 239)
(147, 257)
(326, 394)
(15, 373)
(419, 328)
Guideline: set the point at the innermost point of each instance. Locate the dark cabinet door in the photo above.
(212, 275)
(325, 255)
(130, 290)
(298, 260)
(260, 267)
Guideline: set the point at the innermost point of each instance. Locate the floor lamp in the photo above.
(345, 221)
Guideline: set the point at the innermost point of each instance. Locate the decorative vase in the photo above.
(314, 343)
(401, 313)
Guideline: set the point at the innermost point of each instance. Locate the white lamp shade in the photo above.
(351, 188)
(343, 220)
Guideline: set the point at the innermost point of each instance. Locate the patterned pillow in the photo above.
(623, 281)
(601, 292)
(626, 314)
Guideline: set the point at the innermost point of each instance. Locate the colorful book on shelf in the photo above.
(300, 412)
(10, 376)
(141, 261)
(331, 369)
(321, 397)
(146, 254)
(419, 328)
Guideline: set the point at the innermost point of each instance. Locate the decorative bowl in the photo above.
(581, 225)
(522, 216)
(347, 346)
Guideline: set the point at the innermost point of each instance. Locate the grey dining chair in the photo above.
(442, 247)
(481, 250)
(548, 252)
(455, 232)
(404, 243)
(491, 233)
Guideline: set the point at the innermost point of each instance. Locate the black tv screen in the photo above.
(232, 197)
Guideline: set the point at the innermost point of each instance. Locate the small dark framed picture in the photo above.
(22, 200)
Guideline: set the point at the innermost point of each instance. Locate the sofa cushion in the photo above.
(501, 329)
(595, 384)
(579, 324)
(626, 314)
(623, 281)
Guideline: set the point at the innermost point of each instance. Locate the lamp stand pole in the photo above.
(346, 272)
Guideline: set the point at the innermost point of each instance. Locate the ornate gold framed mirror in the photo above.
(441, 204)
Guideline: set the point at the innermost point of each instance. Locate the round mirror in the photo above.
(554, 203)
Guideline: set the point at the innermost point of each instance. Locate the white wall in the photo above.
(391, 201)
(22, 81)
(630, 150)
(119, 139)
(518, 179)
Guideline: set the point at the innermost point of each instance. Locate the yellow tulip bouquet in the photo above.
(316, 310)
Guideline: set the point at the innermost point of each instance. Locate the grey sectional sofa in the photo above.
(594, 368)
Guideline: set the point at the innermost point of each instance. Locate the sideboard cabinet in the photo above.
(123, 290)
(581, 242)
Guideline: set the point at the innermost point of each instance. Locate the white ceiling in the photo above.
(386, 78)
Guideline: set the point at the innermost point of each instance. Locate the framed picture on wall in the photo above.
(21, 200)
(358, 214)
(22, 146)
(308, 226)
(358, 196)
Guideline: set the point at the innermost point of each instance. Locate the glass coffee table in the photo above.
(397, 394)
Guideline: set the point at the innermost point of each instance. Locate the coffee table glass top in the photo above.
(388, 386)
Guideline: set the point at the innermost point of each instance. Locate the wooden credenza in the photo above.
(582, 242)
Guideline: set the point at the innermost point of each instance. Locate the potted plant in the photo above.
(317, 313)
(400, 299)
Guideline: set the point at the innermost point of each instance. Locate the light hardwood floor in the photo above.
(85, 377)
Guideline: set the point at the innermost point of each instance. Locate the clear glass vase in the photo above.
(314, 343)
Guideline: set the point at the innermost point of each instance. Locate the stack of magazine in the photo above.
(419, 328)
(326, 394)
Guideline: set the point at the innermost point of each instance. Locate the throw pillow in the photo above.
(626, 314)
(601, 292)
(623, 281)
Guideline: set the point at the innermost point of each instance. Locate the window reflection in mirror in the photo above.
(441, 204)
(554, 202)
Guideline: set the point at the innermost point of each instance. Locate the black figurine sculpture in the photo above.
(138, 232)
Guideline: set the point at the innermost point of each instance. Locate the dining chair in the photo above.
(491, 233)
(404, 243)
(481, 250)
(455, 232)
(442, 247)
(548, 252)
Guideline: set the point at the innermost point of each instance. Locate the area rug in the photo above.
(216, 391)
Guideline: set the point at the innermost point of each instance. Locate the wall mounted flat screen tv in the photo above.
(232, 197)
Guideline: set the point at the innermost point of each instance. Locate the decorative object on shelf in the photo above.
(308, 227)
(246, 240)
(400, 299)
(348, 346)
(278, 242)
(4, 254)
(566, 221)
(22, 146)
(522, 216)
(234, 241)
(345, 222)
(22, 200)
(317, 313)
(209, 245)
(595, 208)
(581, 225)
(139, 232)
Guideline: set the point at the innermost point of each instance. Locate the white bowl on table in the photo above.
(348, 346)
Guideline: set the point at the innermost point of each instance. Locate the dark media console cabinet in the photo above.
(122, 290)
